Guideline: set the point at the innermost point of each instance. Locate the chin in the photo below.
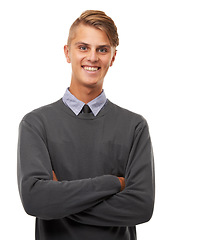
(93, 83)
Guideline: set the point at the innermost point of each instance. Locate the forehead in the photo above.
(90, 35)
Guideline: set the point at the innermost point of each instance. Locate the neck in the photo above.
(85, 94)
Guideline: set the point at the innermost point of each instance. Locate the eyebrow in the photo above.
(86, 44)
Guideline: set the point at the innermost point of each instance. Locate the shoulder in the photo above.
(128, 121)
(126, 114)
(42, 113)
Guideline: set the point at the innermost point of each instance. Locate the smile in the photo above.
(90, 69)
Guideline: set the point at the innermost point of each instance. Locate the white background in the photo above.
(155, 74)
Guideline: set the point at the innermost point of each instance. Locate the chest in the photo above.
(88, 149)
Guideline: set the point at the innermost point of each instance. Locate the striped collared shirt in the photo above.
(76, 105)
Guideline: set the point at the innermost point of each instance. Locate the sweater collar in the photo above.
(76, 105)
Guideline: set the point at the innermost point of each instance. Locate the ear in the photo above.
(66, 52)
(113, 58)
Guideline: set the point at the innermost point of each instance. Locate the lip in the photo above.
(90, 66)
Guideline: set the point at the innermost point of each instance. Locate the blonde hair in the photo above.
(99, 20)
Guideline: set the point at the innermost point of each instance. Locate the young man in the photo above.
(85, 165)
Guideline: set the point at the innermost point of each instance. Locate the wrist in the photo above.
(122, 183)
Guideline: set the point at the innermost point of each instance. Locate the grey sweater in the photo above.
(87, 154)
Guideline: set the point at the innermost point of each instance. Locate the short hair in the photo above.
(99, 20)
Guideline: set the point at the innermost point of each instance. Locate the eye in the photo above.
(103, 50)
(83, 48)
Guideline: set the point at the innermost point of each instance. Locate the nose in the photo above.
(92, 56)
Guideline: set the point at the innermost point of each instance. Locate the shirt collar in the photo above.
(76, 105)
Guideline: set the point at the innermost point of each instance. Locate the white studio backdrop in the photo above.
(155, 74)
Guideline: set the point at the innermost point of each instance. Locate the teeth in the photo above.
(91, 68)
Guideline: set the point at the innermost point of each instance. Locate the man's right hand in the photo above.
(122, 182)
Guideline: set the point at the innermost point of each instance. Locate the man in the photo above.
(85, 165)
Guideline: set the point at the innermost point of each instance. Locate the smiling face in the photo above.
(90, 55)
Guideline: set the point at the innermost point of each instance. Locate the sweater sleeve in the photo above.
(47, 199)
(134, 205)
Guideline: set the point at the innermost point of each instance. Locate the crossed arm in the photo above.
(103, 201)
(121, 179)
